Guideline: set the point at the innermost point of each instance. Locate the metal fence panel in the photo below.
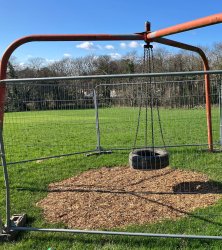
(49, 127)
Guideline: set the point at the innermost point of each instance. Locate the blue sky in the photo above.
(24, 17)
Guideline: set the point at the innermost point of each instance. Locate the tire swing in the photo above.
(149, 157)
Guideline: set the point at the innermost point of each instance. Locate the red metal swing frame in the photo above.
(146, 36)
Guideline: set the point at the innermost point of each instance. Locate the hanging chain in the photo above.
(141, 97)
(148, 67)
(151, 65)
(147, 61)
(157, 106)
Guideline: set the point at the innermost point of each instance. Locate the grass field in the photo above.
(30, 135)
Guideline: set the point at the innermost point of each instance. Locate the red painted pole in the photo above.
(199, 23)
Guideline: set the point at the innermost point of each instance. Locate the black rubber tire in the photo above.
(144, 159)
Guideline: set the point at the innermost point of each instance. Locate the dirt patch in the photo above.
(120, 196)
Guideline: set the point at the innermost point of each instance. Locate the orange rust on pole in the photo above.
(199, 23)
(206, 77)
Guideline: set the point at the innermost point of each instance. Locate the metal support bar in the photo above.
(110, 150)
(113, 76)
(220, 110)
(6, 178)
(98, 146)
(99, 150)
(184, 236)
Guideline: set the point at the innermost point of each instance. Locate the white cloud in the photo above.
(109, 46)
(123, 45)
(48, 61)
(133, 44)
(67, 55)
(22, 64)
(91, 46)
(115, 56)
(86, 45)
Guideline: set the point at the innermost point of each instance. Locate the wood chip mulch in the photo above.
(120, 196)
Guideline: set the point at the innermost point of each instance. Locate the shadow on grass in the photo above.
(198, 187)
(192, 187)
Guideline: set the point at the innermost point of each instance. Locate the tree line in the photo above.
(183, 92)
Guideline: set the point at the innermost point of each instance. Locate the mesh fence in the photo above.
(43, 120)
(46, 119)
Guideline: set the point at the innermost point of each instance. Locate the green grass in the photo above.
(29, 135)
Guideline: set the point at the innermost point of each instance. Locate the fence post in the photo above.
(220, 109)
(7, 189)
(98, 146)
